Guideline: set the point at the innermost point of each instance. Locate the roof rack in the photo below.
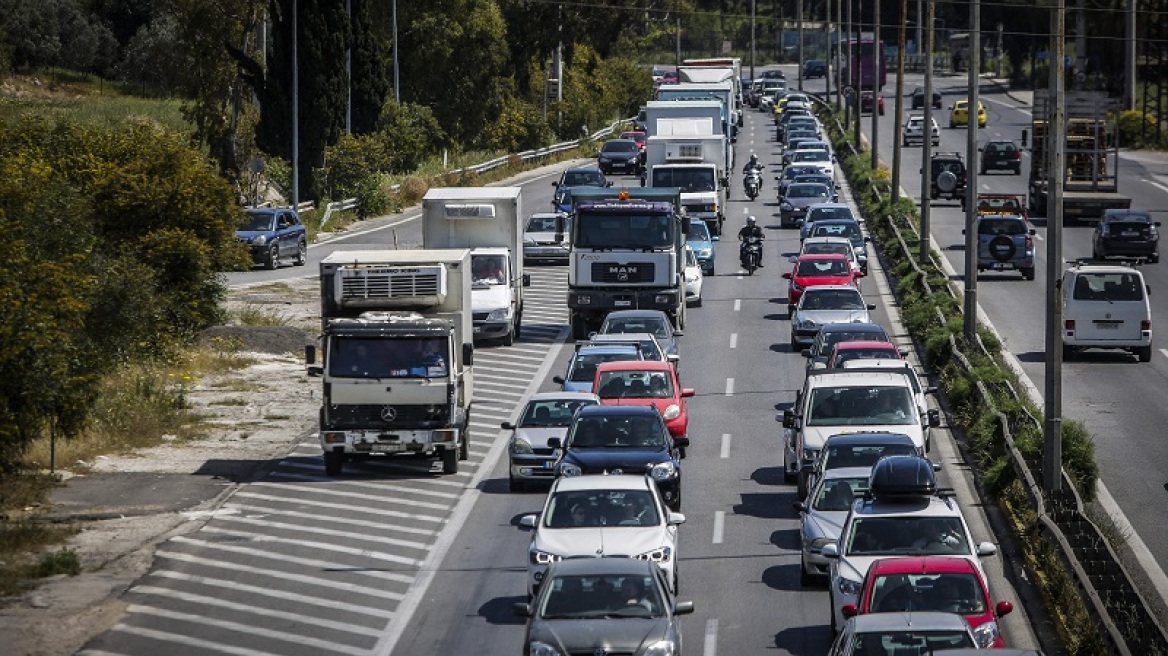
(948, 153)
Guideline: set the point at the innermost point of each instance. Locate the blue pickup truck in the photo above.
(274, 235)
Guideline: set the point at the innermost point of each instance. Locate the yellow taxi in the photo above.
(959, 114)
(789, 98)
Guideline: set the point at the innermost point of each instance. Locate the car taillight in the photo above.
(1028, 241)
(1017, 154)
(1069, 324)
(1146, 324)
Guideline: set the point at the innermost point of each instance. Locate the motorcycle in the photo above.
(750, 254)
(752, 181)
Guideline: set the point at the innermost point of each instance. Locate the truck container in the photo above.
(397, 354)
(716, 70)
(489, 221)
(721, 91)
(696, 165)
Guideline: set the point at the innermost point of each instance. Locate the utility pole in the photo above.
(876, 89)
(927, 142)
(920, 26)
(827, 39)
(349, 71)
(799, 27)
(1052, 451)
(1000, 52)
(857, 72)
(753, 18)
(839, 49)
(295, 110)
(971, 167)
(896, 147)
(1129, 56)
(677, 46)
(847, 34)
(396, 86)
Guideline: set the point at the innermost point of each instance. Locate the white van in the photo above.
(1106, 306)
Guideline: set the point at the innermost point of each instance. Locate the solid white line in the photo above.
(1039, 237)
(302, 529)
(298, 618)
(737, 304)
(258, 511)
(269, 554)
(212, 647)
(283, 595)
(710, 647)
(725, 445)
(733, 340)
(342, 507)
(1156, 184)
(251, 630)
(729, 387)
(378, 593)
(350, 496)
(719, 526)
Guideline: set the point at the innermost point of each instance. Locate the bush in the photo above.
(1138, 129)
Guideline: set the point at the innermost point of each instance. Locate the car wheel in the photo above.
(1018, 169)
(1068, 352)
(272, 261)
(579, 328)
(1144, 353)
(698, 302)
(831, 609)
(509, 338)
(516, 486)
(333, 463)
(464, 448)
(801, 485)
(1028, 273)
(790, 311)
(301, 254)
(794, 345)
(805, 579)
(676, 581)
(788, 477)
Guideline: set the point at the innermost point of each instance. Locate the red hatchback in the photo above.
(932, 583)
(863, 350)
(818, 269)
(645, 382)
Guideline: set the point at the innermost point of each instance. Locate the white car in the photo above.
(693, 279)
(1106, 306)
(547, 237)
(914, 131)
(820, 158)
(546, 415)
(903, 514)
(823, 516)
(820, 305)
(613, 516)
(929, 418)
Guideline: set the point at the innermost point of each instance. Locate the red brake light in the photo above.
(1146, 324)
(1069, 324)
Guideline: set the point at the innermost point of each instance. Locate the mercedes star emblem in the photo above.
(388, 413)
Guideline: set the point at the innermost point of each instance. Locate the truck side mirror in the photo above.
(468, 355)
(1025, 134)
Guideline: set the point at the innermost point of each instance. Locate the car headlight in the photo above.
(663, 471)
(705, 252)
(848, 587)
(661, 648)
(499, 315)
(542, 649)
(672, 412)
(537, 557)
(805, 324)
(659, 555)
(786, 207)
(569, 469)
(986, 634)
(634, 158)
(259, 241)
(519, 445)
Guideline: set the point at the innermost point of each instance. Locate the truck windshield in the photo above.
(688, 180)
(624, 231)
(401, 357)
(488, 269)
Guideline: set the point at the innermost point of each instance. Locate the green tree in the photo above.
(372, 82)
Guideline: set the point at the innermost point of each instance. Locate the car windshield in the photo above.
(889, 353)
(816, 178)
(838, 494)
(812, 156)
(601, 597)
(807, 190)
(404, 357)
(998, 206)
(833, 337)
(1001, 147)
(488, 269)
(548, 224)
(592, 508)
(552, 412)
(838, 456)
(635, 385)
(918, 535)
(823, 213)
(584, 364)
(622, 431)
(659, 328)
(258, 221)
(831, 299)
(635, 136)
(582, 179)
(916, 643)
(626, 231)
(1109, 287)
(1127, 217)
(792, 172)
(698, 231)
(619, 146)
(689, 180)
(850, 230)
(829, 248)
(868, 406)
(820, 268)
(949, 592)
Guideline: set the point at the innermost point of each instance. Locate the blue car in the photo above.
(577, 177)
(274, 235)
(702, 243)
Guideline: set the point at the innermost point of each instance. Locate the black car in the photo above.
(792, 172)
(918, 98)
(814, 68)
(628, 439)
(834, 333)
(1001, 155)
(1127, 233)
(948, 176)
(572, 178)
(273, 234)
(620, 155)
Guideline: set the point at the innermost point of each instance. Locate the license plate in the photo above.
(1107, 326)
(385, 448)
(1003, 265)
(549, 464)
(1128, 233)
(623, 303)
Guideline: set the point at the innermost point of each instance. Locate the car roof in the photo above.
(921, 564)
(608, 482)
(914, 621)
(565, 396)
(865, 344)
(1105, 268)
(859, 377)
(621, 338)
(634, 365)
(618, 411)
(846, 472)
(548, 215)
(583, 169)
(868, 437)
(822, 257)
(637, 314)
(606, 348)
(832, 288)
(877, 363)
(915, 505)
(601, 566)
(854, 327)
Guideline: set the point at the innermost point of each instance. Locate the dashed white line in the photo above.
(710, 646)
(733, 340)
(719, 526)
(1165, 352)
(729, 387)
(738, 304)
(725, 445)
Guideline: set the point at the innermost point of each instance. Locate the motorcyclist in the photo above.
(752, 167)
(751, 229)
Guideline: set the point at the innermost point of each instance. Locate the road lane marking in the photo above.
(725, 445)
(284, 595)
(733, 340)
(259, 511)
(303, 529)
(1039, 237)
(710, 647)
(729, 387)
(352, 497)
(1165, 352)
(319, 548)
(738, 303)
(320, 566)
(342, 507)
(719, 526)
(175, 638)
(1156, 185)
(237, 627)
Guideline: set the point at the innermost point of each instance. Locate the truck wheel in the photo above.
(1068, 352)
(272, 261)
(449, 461)
(301, 254)
(1144, 353)
(464, 448)
(333, 463)
(519, 325)
(509, 338)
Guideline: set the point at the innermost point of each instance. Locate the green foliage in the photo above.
(1138, 129)
(519, 126)
(1079, 458)
(62, 561)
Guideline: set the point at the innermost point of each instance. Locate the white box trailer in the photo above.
(723, 91)
(489, 221)
(664, 110)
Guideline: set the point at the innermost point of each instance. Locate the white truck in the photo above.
(657, 111)
(715, 70)
(724, 92)
(696, 165)
(396, 355)
(489, 221)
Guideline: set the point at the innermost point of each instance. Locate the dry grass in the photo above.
(258, 314)
(24, 554)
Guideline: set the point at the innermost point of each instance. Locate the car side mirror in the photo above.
(678, 333)
(799, 506)
(688, 392)
(930, 390)
(981, 149)
(805, 353)
(520, 609)
(555, 184)
(787, 275)
(681, 442)
(859, 274)
(554, 443)
(934, 418)
(1003, 608)
(683, 608)
(528, 521)
(559, 380)
(870, 306)
(673, 357)
(1157, 224)
(903, 352)
(506, 425)
(792, 259)
(715, 238)
(986, 549)
(675, 519)
(963, 231)
(608, 184)
(830, 550)
(789, 419)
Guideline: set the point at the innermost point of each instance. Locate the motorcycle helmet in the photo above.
(753, 159)
(750, 220)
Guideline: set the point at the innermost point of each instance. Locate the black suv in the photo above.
(918, 98)
(1127, 233)
(948, 177)
(1001, 155)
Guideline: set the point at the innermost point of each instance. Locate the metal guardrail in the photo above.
(340, 205)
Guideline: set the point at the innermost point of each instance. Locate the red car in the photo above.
(818, 269)
(863, 350)
(645, 382)
(866, 102)
(932, 583)
(640, 137)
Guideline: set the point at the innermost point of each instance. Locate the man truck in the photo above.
(487, 220)
(396, 355)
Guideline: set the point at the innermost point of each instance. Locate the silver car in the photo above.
(547, 238)
(823, 515)
(800, 196)
(582, 366)
(547, 415)
(822, 305)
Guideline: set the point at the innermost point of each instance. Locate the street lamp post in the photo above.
(295, 110)
(927, 142)
(971, 238)
(396, 86)
(896, 146)
(877, 61)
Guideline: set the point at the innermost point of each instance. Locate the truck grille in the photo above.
(613, 272)
(480, 316)
(388, 417)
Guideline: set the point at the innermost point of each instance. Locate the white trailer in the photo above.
(723, 91)
(489, 221)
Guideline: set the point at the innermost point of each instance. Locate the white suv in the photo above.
(903, 514)
(914, 131)
(1106, 306)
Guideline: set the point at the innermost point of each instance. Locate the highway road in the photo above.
(1119, 400)
(397, 560)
